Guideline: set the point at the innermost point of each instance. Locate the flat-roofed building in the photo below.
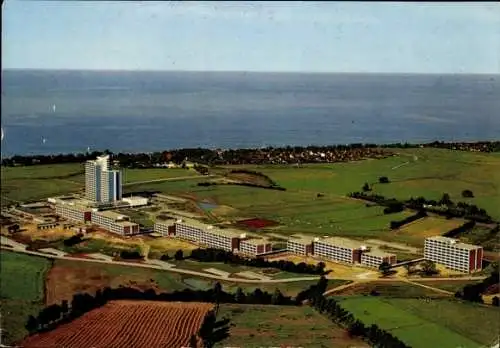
(46, 225)
(300, 245)
(207, 235)
(74, 211)
(136, 201)
(255, 246)
(165, 227)
(114, 222)
(453, 254)
(220, 238)
(338, 249)
(190, 230)
(373, 258)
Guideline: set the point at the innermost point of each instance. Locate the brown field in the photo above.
(128, 324)
(429, 226)
(53, 234)
(67, 278)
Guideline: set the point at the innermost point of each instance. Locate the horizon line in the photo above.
(253, 71)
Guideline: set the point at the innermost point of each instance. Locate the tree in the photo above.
(429, 267)
(64, 308)
(277, 297)
(409, 268)
(217, 296)
(31, 324)
(193, 342)
(240, 296)
(366, 187)
(467, 194)
(445, 200)
(179, 255)
(383, 180)
(384, 268)
(495, 301)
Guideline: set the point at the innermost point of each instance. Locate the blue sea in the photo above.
(151, 111)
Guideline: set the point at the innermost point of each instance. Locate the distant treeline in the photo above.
(242, 156)
(444, 206)
(219, 255)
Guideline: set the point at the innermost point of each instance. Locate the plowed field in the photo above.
(127, 324)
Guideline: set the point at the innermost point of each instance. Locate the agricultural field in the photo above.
(147, 323)
(416, 232)
(446, 323)
(21, 291)
(272, 326)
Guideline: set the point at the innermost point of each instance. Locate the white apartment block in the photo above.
(337, 249)
(101, 184)
(301, 246)
(255, 247)
(376, 257)
(452, 254)
(114, 222)
(73, 212)
(188, 231)
(165, 227)
(207, 235)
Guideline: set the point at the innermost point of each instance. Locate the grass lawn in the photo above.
(393, 289)
(453, 285)
(446, 323)
(21, 292)
(42, 181)
(132, 175)
(267, 326)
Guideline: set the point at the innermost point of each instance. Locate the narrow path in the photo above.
(169, 179)
(429, 287)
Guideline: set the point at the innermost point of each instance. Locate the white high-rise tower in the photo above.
(101, 184)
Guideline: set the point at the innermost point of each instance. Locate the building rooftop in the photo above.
(74, 203)
(112, 215)
(256, 241)
(126, 223)
(455, 242)
(229, 232)
(302, 239)
(341, 242)
(165, 221)
(378, 253)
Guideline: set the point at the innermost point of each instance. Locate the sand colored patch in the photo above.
(46, 235)
(168, 243)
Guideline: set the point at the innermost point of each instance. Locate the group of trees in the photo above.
(219, 255)
(473, 292)
(445, 206)
(73, 240)
(374, 335)
(81, 303)
(397, 224)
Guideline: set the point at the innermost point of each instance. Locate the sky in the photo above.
(354, 37)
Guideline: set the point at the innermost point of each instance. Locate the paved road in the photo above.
(18, 248)
(170, 179)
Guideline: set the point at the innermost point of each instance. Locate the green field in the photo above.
(273, 326)
(43, 181)
(446, 323)
(21, 291)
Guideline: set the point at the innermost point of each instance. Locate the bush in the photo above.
(467, 194)
(383, 180)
